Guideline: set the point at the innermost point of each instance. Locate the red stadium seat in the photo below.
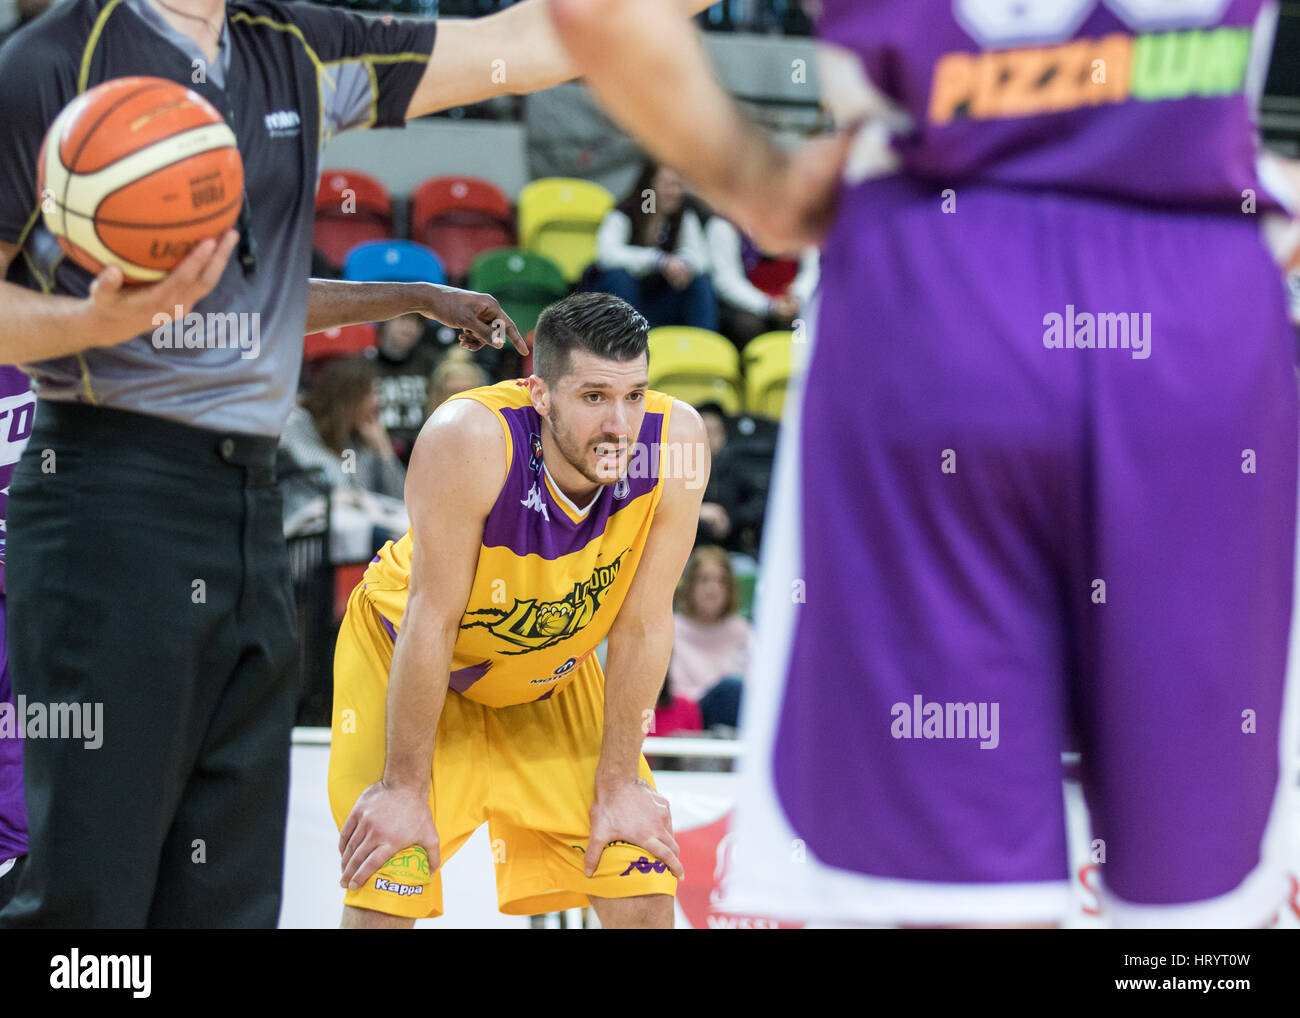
(351, 208)
(346, 576)
(460, 218)
(339, 342)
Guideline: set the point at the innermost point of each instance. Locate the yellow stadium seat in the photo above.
(695, 365)
(559, 217)
(770, 362)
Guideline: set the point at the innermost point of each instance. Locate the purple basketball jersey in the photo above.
(1149, 100)
(17, 409)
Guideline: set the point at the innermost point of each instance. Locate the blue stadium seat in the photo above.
(393, 261)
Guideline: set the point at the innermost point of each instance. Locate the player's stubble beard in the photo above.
(574, 452)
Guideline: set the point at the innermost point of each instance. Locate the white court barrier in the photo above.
(700, 802)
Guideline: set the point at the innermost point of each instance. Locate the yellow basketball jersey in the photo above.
(551, 576)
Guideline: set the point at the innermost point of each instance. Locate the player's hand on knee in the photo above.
(124, 311)
(633, 812)
(383, 822)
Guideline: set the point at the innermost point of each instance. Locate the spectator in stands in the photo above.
(713, 642)
(739, 481)
(405, 357)
(675, 715)
(651, 251)
(456, 373)
(336, 440)
(715, 521)
(756, 293)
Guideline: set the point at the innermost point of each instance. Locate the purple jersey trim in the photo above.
(517, 522)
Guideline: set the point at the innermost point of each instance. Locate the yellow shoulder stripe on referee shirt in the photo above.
(84, 77)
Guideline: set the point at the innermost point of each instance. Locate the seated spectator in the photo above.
(715, 521)
(335, 441)
(735, 499)
(457, 373)
(404, 359)
(651, 251)
(675, 715)
(712, 644)
(756, 293)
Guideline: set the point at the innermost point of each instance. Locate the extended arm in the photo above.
(39, 326)
(628, 49)
(332, 303)
(512, 52)
(640, 644)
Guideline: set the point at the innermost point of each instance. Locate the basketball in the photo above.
(134, 173)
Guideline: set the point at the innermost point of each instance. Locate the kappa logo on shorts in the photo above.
(644, 865)
(392, 887)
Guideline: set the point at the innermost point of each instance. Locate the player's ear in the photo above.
(540, 394)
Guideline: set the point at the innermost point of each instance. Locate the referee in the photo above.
(148, 573)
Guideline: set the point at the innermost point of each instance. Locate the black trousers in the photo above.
(147, 572)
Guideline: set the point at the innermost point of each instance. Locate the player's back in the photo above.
(551, 575)
(1148, 100)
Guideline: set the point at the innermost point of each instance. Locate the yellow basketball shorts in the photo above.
(527, 770)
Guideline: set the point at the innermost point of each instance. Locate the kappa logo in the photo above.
(534, 501)
(392, 887)
(283, 124)
(644, 865)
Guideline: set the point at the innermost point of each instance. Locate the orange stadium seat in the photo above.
(351, 207)
(460, 218)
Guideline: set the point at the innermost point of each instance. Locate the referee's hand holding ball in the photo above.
(121, 312)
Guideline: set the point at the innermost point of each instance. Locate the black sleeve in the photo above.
(37, 79)
(368, 67)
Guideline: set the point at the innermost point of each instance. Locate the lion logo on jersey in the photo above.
(532, 624)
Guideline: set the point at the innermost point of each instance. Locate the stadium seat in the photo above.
(769, 364)
(460, 218)
(340, 342)
(338, 230)
(695, 365)
(393, 261)
(745, 569)
(559, 217)
(524, 283)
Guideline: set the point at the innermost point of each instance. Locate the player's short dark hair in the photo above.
(599, 323)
